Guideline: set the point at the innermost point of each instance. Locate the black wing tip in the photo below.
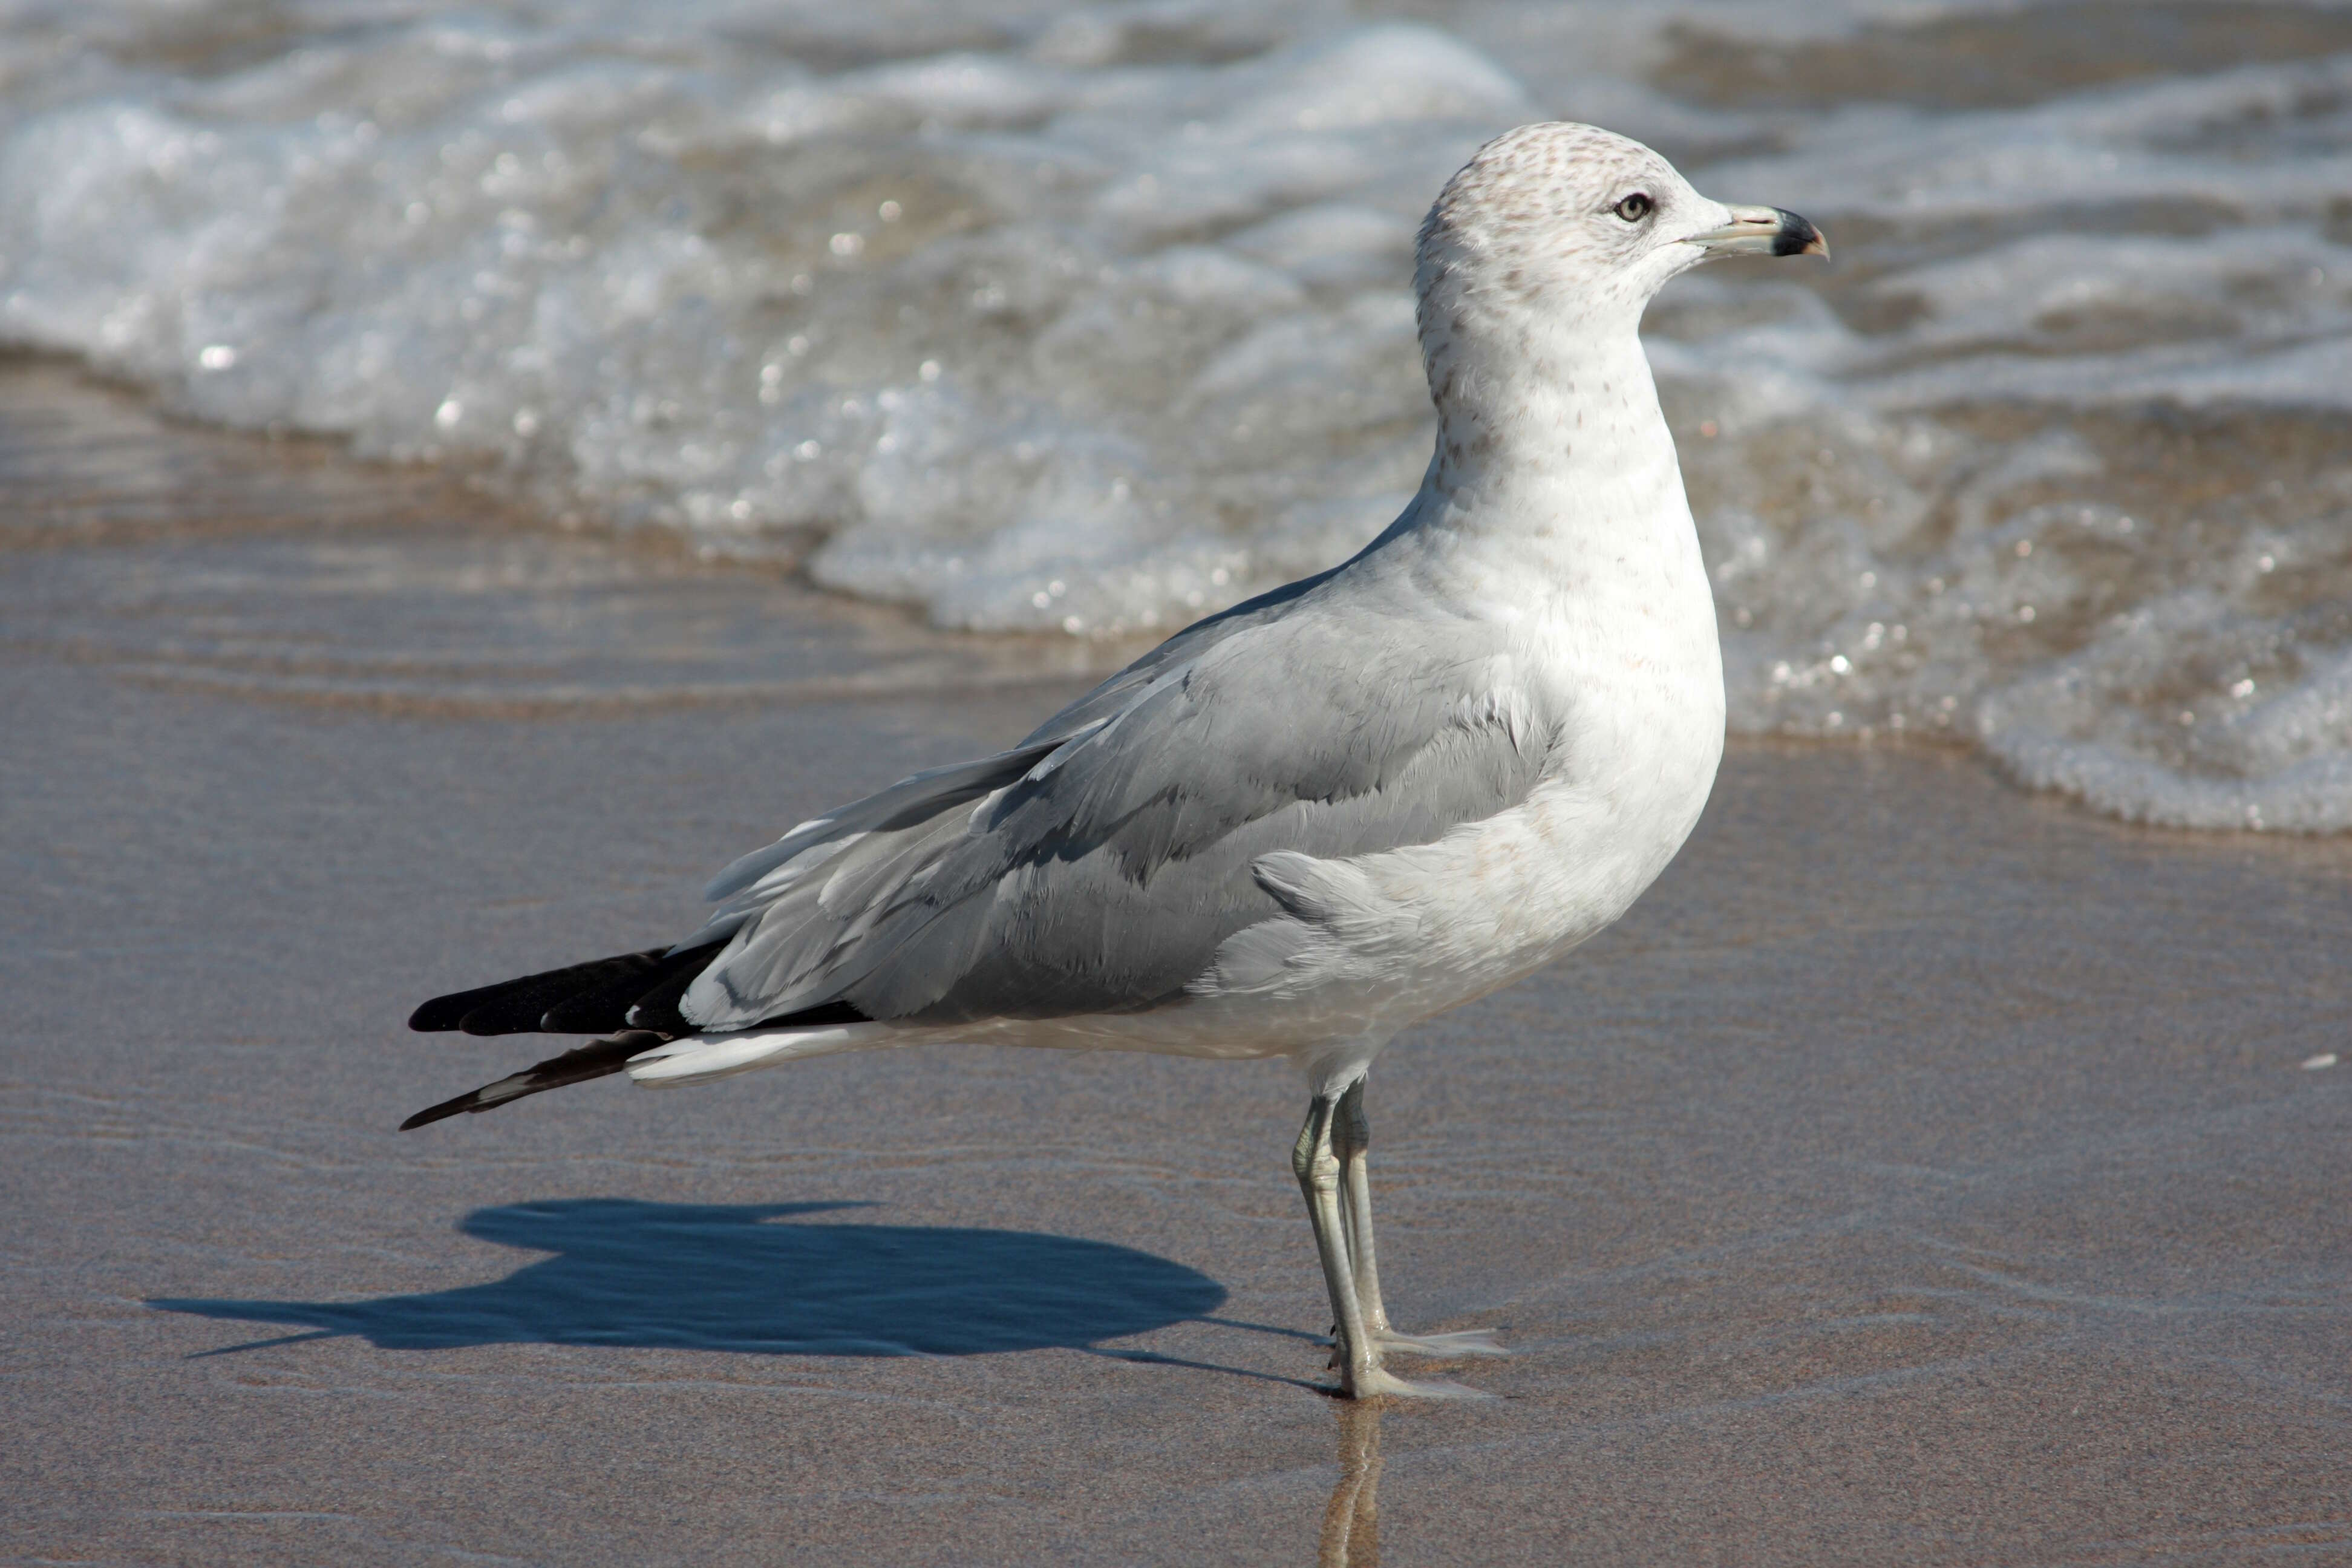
(447, 1108)
(466, 1011)
(436, 1017)
(522, 1005)
(609, 1006)
(598, 1058)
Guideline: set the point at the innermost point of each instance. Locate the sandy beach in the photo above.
(1925, 1172)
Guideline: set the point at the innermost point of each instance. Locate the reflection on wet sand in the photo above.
(1351, 1519)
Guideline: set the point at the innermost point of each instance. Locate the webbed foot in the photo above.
(1469, 1342)
(1379, 1383)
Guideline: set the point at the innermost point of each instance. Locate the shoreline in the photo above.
(302, 490)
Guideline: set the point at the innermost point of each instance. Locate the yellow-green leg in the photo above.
(1358, 1349)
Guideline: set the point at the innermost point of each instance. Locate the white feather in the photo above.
(699, 1059)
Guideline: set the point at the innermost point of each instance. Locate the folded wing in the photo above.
(1097, 867)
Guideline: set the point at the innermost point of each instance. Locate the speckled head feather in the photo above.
(1567, 218)
(1532, 271)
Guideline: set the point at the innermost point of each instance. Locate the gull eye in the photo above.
(1635, 207)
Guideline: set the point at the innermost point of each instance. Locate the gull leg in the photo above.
(1358, 1355)
(1351, 1140)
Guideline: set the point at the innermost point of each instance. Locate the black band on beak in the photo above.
(1798, 236)
(1762, 231)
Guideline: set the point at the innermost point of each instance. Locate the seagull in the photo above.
(1302, 826)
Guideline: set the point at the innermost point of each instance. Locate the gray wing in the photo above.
(1097, 867)
(1192, 642)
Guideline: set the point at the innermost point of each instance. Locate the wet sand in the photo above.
(1923, 1172)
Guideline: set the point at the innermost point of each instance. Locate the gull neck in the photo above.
(1547, 416)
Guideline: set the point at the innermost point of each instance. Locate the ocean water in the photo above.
(1092, 319)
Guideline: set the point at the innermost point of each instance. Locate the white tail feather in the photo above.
(699, 1059)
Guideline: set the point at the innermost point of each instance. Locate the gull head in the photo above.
(1566, 227)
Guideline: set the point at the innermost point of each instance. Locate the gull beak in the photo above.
(1763, 231)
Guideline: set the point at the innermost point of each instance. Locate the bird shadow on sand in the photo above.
(738, 1276)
